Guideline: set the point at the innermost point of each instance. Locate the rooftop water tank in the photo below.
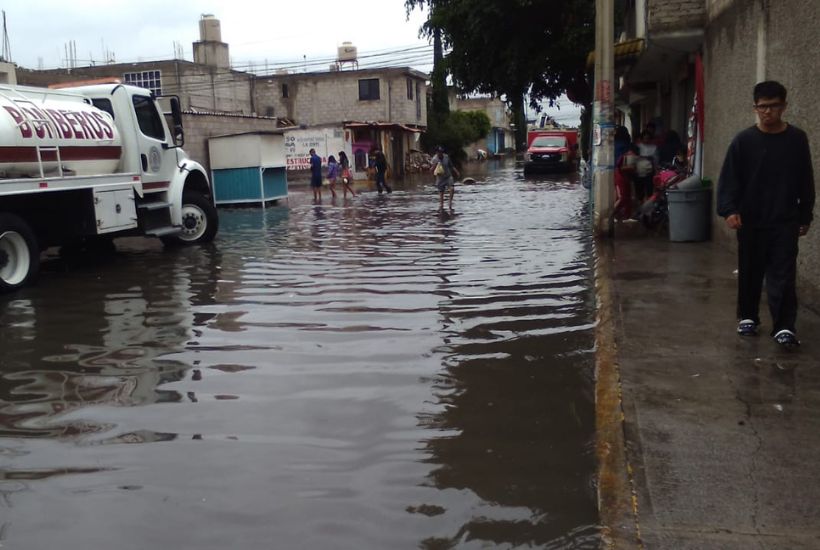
(209, 28)
(346, 52)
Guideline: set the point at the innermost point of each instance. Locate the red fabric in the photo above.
(699, 90)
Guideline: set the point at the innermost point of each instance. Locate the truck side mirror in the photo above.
(176, 116)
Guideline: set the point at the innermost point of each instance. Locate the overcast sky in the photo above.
(277, 32)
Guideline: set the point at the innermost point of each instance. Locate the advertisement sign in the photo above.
(326, 141)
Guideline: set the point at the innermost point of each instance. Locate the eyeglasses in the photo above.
(766, 107)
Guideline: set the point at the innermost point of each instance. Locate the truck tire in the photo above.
(19, 253)
(199, 221)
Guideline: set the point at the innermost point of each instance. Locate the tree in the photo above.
(456, 130)
(515, 48)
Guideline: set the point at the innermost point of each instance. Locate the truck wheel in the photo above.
(19, 253)
(199, 221)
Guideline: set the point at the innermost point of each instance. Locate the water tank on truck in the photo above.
(50, 132)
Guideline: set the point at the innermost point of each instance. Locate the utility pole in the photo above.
(603, 121)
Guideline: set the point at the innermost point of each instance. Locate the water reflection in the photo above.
(370, 373)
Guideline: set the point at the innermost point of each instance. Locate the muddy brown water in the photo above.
(361, 374)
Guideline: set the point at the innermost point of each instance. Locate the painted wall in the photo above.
(325, 140)
(200, 127)
(748, 41)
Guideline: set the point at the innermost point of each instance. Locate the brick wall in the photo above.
(333, 98)
(675, 15)
(198, 86)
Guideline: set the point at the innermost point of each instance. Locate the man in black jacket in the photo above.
(766, 193)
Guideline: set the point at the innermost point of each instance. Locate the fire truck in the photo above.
(82, 165)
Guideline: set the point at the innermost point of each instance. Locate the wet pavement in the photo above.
(719, 433)
(362, 374)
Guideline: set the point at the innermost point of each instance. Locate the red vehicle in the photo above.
(551, 150)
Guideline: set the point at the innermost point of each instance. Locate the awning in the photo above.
(625, 52)
(383, 126)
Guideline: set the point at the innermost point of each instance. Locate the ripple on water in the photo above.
(361, 374)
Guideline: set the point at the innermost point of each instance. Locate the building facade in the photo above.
(748, 41)
(740, 42)
(383, 108)
(501, 138)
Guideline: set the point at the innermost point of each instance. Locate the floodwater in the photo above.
(364, 374)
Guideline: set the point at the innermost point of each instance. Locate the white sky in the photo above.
(277, 30)
(272, 31)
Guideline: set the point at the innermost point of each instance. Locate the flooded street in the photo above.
(353, 375)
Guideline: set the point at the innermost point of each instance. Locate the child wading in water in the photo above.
(347, 178)
(332, 173)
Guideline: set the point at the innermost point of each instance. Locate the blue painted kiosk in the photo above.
(248, 167)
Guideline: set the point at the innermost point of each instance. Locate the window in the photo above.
(150, 80)
(410, 89)
(148, 117)
(369, 89)
(285, 91)
(103, 105)
(418, 101)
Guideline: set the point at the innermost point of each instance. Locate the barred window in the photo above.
(150, 80)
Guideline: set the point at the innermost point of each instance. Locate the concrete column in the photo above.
(603, 142)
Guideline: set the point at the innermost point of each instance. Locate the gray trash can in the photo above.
(690, 214)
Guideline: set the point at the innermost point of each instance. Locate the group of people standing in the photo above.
(636, 164)
(335, 170)
(442, 168)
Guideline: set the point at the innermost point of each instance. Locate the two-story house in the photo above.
(384, 108)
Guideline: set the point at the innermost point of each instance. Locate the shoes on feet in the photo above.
(747, 327)
(786, 339)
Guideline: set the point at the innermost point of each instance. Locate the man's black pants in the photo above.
(769, 252)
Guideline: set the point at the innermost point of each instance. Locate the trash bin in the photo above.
(690, 214)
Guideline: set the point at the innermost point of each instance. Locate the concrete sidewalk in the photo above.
(719, 442)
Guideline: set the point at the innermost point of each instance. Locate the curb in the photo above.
(617, 500)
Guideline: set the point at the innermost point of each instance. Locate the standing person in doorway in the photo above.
(766, 193)
(444, 170)
(381, 171)
(645, 165)
(347, 177)
(316, 175)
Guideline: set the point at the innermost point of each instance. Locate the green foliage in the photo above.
(515, 47)
(455, 131)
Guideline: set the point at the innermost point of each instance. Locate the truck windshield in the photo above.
(148, 117)
(549, 141)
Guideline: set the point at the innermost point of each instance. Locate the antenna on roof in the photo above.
(6, 54)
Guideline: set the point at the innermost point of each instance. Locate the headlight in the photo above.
(564, 157)
(527, 157)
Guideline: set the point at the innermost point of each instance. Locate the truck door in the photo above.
(151, 141)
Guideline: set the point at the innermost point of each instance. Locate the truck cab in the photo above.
(151, 149)
(91, 163)
(551, 150)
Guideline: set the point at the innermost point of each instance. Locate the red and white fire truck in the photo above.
(82, 165)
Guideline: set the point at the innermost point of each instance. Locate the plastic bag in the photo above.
(439, 170)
